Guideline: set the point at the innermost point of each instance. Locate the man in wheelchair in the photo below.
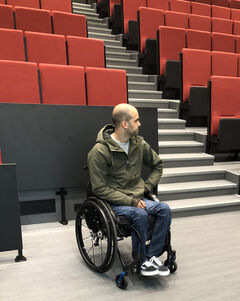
(115, 164)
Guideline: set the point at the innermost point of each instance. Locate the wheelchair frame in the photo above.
(98, 231)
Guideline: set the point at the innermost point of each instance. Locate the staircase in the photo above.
(191, 183)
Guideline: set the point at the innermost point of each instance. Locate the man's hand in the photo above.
(141, 204)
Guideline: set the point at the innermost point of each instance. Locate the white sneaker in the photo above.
(162, 270)
(148, 269)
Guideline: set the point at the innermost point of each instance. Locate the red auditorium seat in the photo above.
(24, 3)
(12, 45)
(201, 9)
(130, 8)
(221, 12)
(209, 2)
(224, 63)
(196, 68)
(19, 82)
(69, 24)
(235, 14)
(59, 5)
(200, 23)
(111, 6)
(106, 87)
(176, 19)
(62, 84)
(222, 25)
(45, 48)
(220, 3)
(197, 39)
(2, 1)
(85, 52)
(237, 44)
(180, 6)
(236, 27)
(33, 19)
(222, 89)
(171, 42)
(6, 16)
(223, 42)
(234, 4)
(163, 4)
(149, 21)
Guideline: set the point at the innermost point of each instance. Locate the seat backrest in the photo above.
(6, 16)
(24, 3)
(235, 14)
(224, 63)
(236, 27)
(85, 52)
(237, 38)
(222, 25)
(62, 84)
(234, 4)
(111, 6)
(200, 23)
(163, 4)
(223, 42)
(225, 95)
(149, 21)
(69, 24)
(196, 69)
(176, 19)
(106, 87)
(180, 6)
(201, 9)
(223, 3)
(197, 39)
(171, 42)
(45, 48)
(63, 5)
(12, 45)
(19, 82)
(130, 8)
(33, 19)
(221, 12)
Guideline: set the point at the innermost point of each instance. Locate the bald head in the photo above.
(122, 112)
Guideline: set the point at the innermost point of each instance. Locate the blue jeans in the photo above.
(139, 219)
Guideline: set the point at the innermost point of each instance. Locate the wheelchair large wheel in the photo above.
(96, 235)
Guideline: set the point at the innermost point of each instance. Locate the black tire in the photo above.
(121, 281)
(96, 238)
(172, 267)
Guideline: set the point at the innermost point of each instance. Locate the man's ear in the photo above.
(124, 124)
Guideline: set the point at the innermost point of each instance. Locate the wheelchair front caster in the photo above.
(121, 280)
(172, 266)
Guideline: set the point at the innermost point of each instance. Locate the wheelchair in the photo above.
(98, 231)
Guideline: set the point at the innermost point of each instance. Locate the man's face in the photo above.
(133, 124)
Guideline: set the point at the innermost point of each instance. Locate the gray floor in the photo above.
(208, 250)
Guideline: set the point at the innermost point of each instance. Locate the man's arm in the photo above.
(153, 161)
(98, 168)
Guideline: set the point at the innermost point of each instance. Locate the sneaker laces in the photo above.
(154, 259)
(147, 264)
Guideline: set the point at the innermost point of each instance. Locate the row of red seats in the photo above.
(23, 82)
(41, 20)
(151, 19)
(48, 48)
(59, 5)
(225, 3)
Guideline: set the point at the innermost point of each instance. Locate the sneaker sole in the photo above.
(164, 274)
(152, 273)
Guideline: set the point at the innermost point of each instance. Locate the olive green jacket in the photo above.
(116, 176)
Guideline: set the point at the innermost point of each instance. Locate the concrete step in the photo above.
(112, 42)
(102, 30)
(116, 49)
(146, 94)
(121, 62)
(92, 23)
(85, 12)
(101, 36)
(168, 123)
(141, 86)
(167, 113)
(129, 69)
(176, 175)
(118, 55)
(175, 135)
(150, 103)
(184, 190)
(177, 147)
(187, 159)
(140, 78)
(97, 21)
(204, 205)
(81, 5)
